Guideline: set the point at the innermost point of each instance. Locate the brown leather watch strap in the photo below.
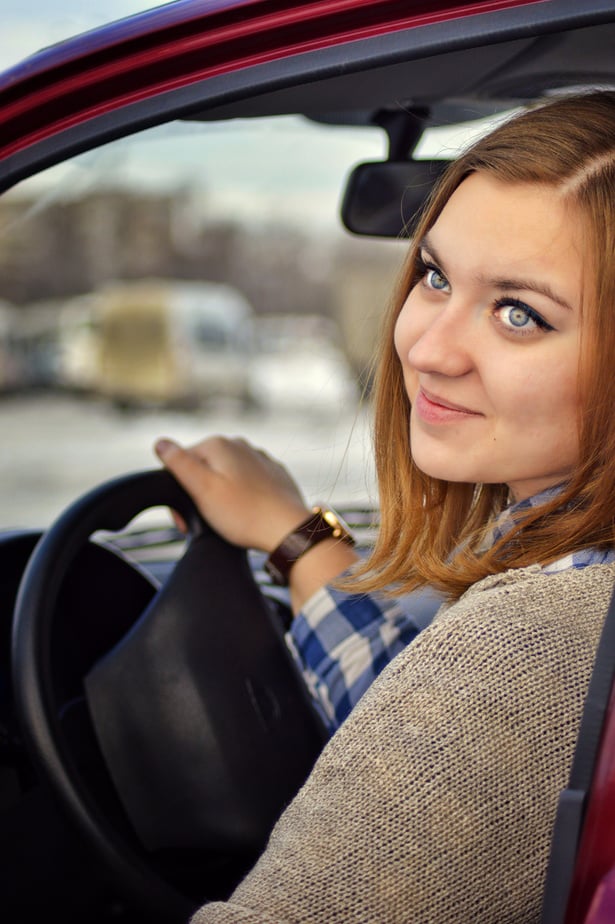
(323, 523)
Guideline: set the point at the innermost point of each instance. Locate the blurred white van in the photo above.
(166, 343)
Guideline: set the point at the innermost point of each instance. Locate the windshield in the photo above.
(189, 280)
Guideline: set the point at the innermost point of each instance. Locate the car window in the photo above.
(192, 279)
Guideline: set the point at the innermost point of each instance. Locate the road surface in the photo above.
(55, 447)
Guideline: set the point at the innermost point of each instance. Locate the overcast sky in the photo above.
(29, 25)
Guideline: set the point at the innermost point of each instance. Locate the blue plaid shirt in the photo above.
(342, 641)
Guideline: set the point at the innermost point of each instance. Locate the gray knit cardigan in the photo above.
(435, 801)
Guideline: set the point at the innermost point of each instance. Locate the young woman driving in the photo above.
(494, 440)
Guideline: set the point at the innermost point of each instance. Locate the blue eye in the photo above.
(515, 316)
(435, 280)
(518, 317)
(430, 276)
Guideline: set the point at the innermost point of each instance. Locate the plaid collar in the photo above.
(507, 519)
(580, 559)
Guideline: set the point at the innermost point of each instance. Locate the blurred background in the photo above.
(188, 280)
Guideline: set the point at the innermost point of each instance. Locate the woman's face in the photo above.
(488, 338)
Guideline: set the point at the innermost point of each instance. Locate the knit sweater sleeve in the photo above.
(436, 798)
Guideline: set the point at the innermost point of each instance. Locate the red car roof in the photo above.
(187, 41)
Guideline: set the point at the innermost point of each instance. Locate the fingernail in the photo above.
(164, 446)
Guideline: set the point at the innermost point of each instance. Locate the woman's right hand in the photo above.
(244, 494)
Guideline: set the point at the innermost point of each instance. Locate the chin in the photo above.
(443, 470)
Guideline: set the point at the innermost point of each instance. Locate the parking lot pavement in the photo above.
(56, 447)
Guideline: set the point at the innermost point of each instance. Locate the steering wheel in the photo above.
(204, 725)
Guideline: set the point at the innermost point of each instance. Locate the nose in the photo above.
(439, 343)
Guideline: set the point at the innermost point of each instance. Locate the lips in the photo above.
(432, 408)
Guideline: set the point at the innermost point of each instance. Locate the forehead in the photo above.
(492, 228)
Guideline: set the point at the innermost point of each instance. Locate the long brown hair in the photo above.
(430, 529)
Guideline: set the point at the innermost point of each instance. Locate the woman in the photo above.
(435, 799)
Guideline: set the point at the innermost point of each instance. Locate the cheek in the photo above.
(543, 401)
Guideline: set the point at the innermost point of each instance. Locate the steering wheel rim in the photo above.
(110, 507)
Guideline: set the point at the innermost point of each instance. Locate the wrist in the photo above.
(322, 523)
(283, 524)
(321, 565)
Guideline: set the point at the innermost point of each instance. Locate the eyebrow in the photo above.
(529, 285)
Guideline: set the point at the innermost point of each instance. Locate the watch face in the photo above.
(331, 518)
(339, 527)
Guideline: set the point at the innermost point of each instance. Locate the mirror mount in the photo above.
(384, 198)
(404, 129)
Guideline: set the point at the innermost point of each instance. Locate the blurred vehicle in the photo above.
(298, 364)
(115, 831)
(78, 345)
(9, 362)
(35, 346)
(171, 343)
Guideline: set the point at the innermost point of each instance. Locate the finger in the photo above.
(163, 449)
(179, 521)
(214, 451)
(189, 470)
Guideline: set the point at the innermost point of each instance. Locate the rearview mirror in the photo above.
(383, 198)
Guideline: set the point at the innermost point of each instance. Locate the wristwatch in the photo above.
(323, 523)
